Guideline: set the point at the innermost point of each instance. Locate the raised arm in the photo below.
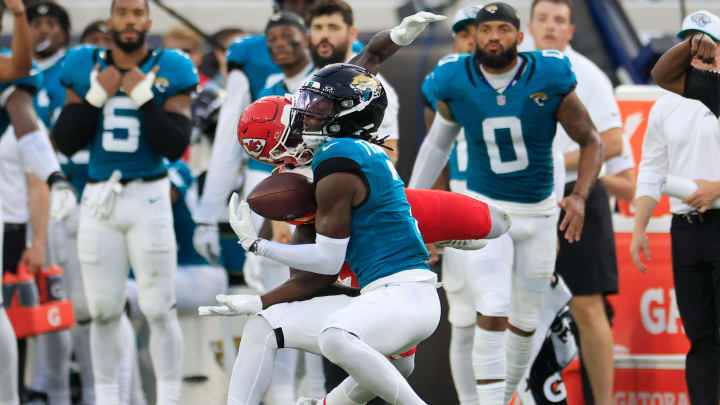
(435, 149)
(385, 43)
(577, 123)
(671, 69)
(20, 63)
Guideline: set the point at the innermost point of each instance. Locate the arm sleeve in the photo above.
(704, 86)
(654, 163)
(434, 152)
(227, 155)
(325, 256)
(168, 133)
(75, 127)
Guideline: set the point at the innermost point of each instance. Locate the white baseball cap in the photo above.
(703, 21)
(465, 16)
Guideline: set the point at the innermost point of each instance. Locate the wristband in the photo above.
(54, 178)
(96, 96)
(142, 92)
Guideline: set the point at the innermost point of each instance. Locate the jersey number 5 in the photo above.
(505, 145)
(121, 127)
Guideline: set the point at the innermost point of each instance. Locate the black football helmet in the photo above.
(206, 110)
(339, 101)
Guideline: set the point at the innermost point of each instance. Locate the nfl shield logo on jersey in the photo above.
(254, 146)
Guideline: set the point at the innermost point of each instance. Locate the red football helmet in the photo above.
(264, 135)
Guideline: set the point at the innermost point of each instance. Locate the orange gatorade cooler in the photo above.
(32, 313)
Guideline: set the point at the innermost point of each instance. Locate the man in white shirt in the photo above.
(589, 266)
(683, 140)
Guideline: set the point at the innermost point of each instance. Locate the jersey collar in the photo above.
(106, 56)
(520, 71)
(50, 61)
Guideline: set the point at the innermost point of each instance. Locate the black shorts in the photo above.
(590, 266)
(13, 245)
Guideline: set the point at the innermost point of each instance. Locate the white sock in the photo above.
(81, 347)
(128, 361)
(8, 359)
(166, 346)
(314, 376)
(106, 347)
(488, 359)
(366, 366)
(491, 393)
(519, 350)
(461, 346)
(57, 349)
(282, 388)
(253, 368)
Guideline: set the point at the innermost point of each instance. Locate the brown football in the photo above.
(283, 197)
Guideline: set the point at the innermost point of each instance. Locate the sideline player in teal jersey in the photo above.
(131, 105)
(509, 106)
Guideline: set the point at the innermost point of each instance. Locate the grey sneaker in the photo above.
(464, 244)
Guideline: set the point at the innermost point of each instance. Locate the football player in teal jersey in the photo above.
(131, 106)
(509, 105)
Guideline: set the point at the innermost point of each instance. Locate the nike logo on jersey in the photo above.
(326, 147)
(154, 200)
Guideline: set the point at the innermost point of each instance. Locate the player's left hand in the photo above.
(705, 195)
(703, 47)
(412, 26)
(34, 258)
(138, 86)
(572, 223)
(233, 305)
(63, 200)
(242, 225)
(281, 232)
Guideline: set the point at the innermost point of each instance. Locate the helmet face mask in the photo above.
(338, 101)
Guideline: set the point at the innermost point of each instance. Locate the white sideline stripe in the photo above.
(650, 361)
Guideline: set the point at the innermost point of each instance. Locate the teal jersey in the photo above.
(120, 142)
(181, 179)
(509, 135)
(457, 162)
(30, 83)
(51, 96)
(251, 55)
(384, 238)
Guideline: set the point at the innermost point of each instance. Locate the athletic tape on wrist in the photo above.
(96, 95)
(142, 92)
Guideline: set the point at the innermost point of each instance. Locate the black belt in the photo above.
(697, 217)
(147, 179)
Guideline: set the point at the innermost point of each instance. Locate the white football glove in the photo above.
(412, 26)
(101, 203)
(233, 305)
(246, 234)
(63, 200)
(206, 240)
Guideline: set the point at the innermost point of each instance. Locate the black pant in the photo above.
(696, 274)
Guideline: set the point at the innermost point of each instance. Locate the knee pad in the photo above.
(156, 303)
(103, 311)
(405, 365)
(257, 330)
(488, 356)
(525, 306)
(333, 344)
(492, 291)
(461, 314)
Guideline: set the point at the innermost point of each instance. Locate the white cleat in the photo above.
(464, 244)
(308, 401)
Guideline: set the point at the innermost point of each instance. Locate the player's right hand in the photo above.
(109, 78)
(281, 232)
(703, 47)
(640, 243)
(233, 305)
(206, 240)
(63, 200)
(246, 233)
